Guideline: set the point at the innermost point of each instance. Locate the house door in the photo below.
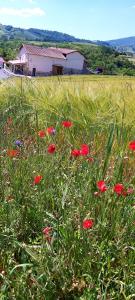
(57, 70)
(34, 72)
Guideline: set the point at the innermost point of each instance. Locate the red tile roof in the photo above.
(64, 50)
(41, 51)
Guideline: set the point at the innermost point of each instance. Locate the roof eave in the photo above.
(63, 58)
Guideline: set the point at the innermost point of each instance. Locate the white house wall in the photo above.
(22, 55)
(43, 64)
(75, 61)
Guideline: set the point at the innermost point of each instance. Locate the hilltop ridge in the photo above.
(8, 32)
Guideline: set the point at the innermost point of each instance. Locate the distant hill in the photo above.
(8, 32)
(124, 44)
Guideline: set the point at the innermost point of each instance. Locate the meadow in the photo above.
(67, 188)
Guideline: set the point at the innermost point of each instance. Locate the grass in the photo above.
(69, 262)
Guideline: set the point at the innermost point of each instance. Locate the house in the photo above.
(35, 60)
(1, 62)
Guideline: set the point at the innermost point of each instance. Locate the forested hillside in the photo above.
(8, 32)
(124, 44)
(106, 59)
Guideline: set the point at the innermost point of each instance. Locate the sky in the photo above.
(88, 19)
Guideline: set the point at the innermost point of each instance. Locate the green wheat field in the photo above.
(67, 188)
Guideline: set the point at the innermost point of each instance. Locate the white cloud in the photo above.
(23, 12)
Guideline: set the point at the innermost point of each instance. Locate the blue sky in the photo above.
(90, 19)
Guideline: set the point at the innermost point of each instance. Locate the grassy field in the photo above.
(67, 187)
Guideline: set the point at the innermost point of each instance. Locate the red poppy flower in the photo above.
(13, 153)
(41, 134)
(132, 145)
(75, 152)
(87, 224)
(46, 231)
(50, 130)
(51, 148)
(84, 150)
(67, 124)
(101, 186)
(37, 179)
(119, 188)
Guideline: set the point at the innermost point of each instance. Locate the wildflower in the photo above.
(132, 145)
(84, 150)
(90, 159)
(46, 231)
(101, 186)
(67, 124)
(13, 153)
(18, 143)
(41, 134)
(51, 130)
(87, 224)
(75, 152)
(51, 148)
(119, 188)
(37, 179)
(130, 191)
